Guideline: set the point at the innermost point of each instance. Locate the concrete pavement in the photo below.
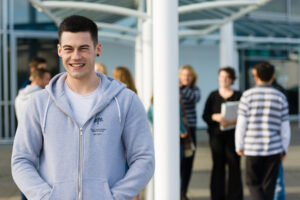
(199, 187)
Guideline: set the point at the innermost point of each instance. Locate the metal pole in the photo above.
(89, 6)
(299, 87)
(166, 99)
(5, 70)
(1, 65)
(214, 5)
(13, 69)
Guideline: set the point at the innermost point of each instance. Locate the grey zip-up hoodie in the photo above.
(88, 162)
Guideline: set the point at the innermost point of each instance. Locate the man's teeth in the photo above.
(77, 65)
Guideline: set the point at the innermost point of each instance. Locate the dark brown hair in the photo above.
(264, 70)
(77, 23)
(230, 71)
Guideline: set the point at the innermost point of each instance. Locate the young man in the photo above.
(280, 186)
(262, 132)
(82, 129)
(35, 63)
(39, 79)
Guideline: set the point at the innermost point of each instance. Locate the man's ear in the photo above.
(273, 78)
(59, 50)
(98, 49)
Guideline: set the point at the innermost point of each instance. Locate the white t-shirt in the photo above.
(82, 105)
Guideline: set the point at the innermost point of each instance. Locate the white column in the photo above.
(138, 62)
(166, 99)
(147, 63)
(138, 66)
(228, 51)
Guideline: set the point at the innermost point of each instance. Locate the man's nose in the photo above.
(76, 55)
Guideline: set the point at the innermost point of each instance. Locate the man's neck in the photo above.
(84, 86)
(263, 83)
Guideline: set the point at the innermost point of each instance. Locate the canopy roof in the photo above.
(119, 19)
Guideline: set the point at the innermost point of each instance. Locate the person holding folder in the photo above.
(222, 141)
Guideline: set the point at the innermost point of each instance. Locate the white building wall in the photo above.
(204, 58)
(115, 54)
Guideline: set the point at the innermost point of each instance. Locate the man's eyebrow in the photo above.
(66, 46)
(84, 45)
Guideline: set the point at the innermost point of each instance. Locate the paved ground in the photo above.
(199, 188)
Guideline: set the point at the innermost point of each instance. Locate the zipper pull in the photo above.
(80, 131)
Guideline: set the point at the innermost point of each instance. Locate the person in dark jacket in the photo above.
(222, 141)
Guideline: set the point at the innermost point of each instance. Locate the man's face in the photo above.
(78, 53)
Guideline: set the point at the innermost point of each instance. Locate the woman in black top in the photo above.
(222, 142)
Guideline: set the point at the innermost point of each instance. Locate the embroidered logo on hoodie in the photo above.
(97, 127)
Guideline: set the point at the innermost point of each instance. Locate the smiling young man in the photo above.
(82, 129)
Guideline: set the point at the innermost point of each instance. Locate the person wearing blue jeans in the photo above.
(280, 187)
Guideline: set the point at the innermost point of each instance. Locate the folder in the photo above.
(229, 112)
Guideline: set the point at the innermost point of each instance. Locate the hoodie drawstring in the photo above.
(45, 116)
(118, 108)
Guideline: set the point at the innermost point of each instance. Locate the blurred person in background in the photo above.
(123, 74)
(39, 78)
(190, 95)
(222, 141)
(35, 63)
(100, 67)
(263, 132)
(280, 186)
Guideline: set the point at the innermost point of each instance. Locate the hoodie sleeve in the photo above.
(138, 143)
(25, 155)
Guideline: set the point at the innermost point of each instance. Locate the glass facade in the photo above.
(26, 37)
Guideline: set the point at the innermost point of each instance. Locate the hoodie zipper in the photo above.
(80, 165)
(80, 149)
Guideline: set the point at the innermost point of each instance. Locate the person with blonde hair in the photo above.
(100, 67)
(123, 74)
(190, 95)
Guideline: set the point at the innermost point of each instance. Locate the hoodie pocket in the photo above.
(96, 189)
(63, 191)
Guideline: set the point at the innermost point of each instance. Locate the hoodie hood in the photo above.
(110, 87)
(23, 96)
(25, 93)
